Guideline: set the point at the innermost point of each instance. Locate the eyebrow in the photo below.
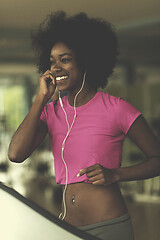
(63, 54)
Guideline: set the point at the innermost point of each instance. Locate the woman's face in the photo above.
(64, 67)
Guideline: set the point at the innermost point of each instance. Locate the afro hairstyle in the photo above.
(93, 41)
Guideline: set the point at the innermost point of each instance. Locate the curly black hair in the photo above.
(93, 41)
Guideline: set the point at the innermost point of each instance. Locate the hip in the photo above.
(115, 229)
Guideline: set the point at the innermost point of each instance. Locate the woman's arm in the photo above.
(144, 138)
(26, 137)
(141, 134)
(32, 130)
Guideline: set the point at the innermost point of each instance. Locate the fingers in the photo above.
(47, 85)
(89, 171)
(48, 76)
(97, 174)
(94, 173)
(84, 171)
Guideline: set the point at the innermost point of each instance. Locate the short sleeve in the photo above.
(47, 111)
(127, 114)
(44, 115)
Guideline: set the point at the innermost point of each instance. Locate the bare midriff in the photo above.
(88, 204)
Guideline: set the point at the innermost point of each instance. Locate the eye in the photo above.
(66, 60)
(52, 62)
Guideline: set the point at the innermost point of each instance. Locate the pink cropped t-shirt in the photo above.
(96, 137)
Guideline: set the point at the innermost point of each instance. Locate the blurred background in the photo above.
(136, 78)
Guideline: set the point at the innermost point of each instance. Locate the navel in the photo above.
(73, 199)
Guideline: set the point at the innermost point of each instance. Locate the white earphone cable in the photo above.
(63, 143)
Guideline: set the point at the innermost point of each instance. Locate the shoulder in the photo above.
(54, 104)
(111, 101)
(122, 112)
(116, 102)
(49, 106)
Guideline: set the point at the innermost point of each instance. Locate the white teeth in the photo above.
(61, 78)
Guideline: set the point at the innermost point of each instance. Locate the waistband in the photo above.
(117, 220)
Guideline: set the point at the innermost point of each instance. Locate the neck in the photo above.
(83, 97)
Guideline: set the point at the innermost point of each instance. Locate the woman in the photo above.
(87, 127)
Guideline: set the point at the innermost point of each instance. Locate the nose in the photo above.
(56, 68)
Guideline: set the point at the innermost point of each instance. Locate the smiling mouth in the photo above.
(61, 78)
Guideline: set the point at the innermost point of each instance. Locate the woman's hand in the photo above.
(99, 175)
(47, 85)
